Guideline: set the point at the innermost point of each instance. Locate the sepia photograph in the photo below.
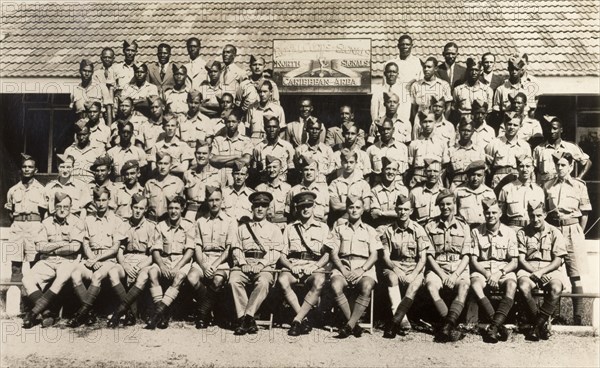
(299, 183)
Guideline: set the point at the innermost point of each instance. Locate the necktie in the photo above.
(450, 73)
(162, 72)
(225, 73)
(106, 73)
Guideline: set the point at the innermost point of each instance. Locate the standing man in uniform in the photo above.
(391, 85)
(26, 205)
(568, 205)
(256, 248)
(430, 86)
(236, 197)
(317, 150)
(66, 183)
(424, 195)
(139, 89)
(176, 96)
(83, 151)
(160, 73)
(472, 89)
(448, 264)
(353, 250)
(542, 249)
(463, 153)
(233, 146)
(58, 244)
(124, 72)
(278, 188)
(494, 260)
(130, 172)
(402, 128)
(258, 75)
(214, 235)
(427, 146)
(88, 90)
(405, 247)
(385, 194)
(310, 170)
(265, 109)
(304, 259)
(275, 146)
(172, 251)
(387, 147)
(514, 196)
(106, 77)
(350, 183)
(471, 194)
(161, 188)
(516, 82)
(125, 151)
(542, 154)
(483, 134)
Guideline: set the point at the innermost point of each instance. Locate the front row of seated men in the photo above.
(216, 251)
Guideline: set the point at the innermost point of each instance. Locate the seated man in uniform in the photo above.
(542, 248)
(275, 146)
(104, 232)
(134, 261)
(353, 247)
(405, 246)
(471, 194)
(494, 260)
(256, 249)
(214, 235)
(303, 254)
(172, 251)
(58, 245)
(448, 264)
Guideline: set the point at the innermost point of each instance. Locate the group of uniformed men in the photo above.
(190, 173)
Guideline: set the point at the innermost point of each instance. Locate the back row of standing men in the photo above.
(181, 129)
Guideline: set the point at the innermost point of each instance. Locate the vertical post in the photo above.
(51, 141)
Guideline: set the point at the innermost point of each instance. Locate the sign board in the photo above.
(341, 66)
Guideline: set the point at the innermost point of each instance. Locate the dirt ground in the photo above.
(183, 345)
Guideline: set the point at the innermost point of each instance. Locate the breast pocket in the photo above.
(422, 211)
(514, 208)
(458, 240)
(571, 202)
(409, 249)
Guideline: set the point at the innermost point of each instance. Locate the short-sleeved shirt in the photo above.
(76, 189)
(402, 128)
(238, 145)
(462, 156)
(256, 115)
(405, 244)
(321, 153)
(196, 182)
(529, 87)
(530, 128)
(514, 196)
(123, 74)
(136, 92)
(104, 232)
(499, 246)
(100, 135)
(482, 135)
(363, 162)
(377, 105)
(71, 229)
(268, 234)
(314, 234)
(543, 161)
(469, 202)
(84, 158)
(502, 153)
(237, 204)
(279, 192)
(140, 236)
(321, 202)
(566, 199)
(450, 242)
(423, 201)
(26, 199)
(93, 92)
(464, 95)
(384, 197)
(358, 239)
(157, 193)
(176, 100)
(174, 239)
(215, 234)
(197, 127)
(431, 147)
(354, 185)
(149, 133)
(393, 150)
(122, 198)
(442, 130)
(541, 245)
(422, 91)
(177, 149)
(211, 94)
(121, 155)
(283, 150)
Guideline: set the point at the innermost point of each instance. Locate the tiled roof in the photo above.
(561, 37)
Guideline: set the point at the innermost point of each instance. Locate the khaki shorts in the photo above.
(45, 271)
(553, 275)
(21, 246)
(493, 267)
(355, 263)
(171, 261)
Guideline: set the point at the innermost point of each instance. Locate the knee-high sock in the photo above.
(531, 306)
(577, 302)
(80, 291)
(120, 291)
(455, 310)
(43, 302)
(342, 303)
(91, 295)
(487, 307)
(35, 296)
(361, 304)
(156, 293)
(403, 308)
(502, 312)
(207, 302)
(129, 298)
(170, 295)
(441, 307)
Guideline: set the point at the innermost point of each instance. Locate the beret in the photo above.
(129, 42)
(254, 58)
(352, 199)
(434, 100)
(475, 165)
(385, 162)
(306, 161)
(518, 62)
(104, 160)
(26, 157)
(522, 158)
(444, 193)
(472, 64)
(162, 154)
(202, 143)
(129, 164)
(142, 66)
